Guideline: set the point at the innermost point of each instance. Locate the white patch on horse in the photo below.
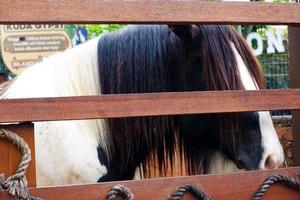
(246, 78)
(138, 174)
(270, 142)
(271, 145)
(219, 163)
(67, 148)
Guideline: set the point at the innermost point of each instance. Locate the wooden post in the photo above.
(294, 60)
(10, 156)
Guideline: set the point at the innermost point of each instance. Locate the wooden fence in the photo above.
(229, 186)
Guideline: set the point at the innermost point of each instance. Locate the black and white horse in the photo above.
(141, 59)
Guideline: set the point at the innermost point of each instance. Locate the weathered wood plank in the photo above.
(294, 62)
(223, 187)
(130, 105)
(10, 156)
(143, 11)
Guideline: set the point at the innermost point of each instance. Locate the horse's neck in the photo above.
(71, 73)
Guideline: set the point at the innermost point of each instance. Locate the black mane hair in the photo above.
(151, 58)
(138, 59)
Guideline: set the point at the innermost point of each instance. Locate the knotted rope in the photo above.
(16, 184)
(194, 190)
(119, 190)
(273, 179)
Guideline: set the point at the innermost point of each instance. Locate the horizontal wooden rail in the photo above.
(221, 187)
(143, 11)
(130, 105)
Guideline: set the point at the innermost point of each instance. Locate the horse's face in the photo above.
(251, 142)
(255, 145)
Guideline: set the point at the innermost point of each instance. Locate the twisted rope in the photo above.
(273, 179)
(194, 190)
(16, 184)
(200, 195)
(119, 190)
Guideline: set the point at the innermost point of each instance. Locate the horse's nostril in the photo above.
(267, 163)
(240, 164)
(270, 162)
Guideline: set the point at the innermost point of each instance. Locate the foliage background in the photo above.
(94, 30)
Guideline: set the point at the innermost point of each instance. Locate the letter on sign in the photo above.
(255, 36)
(274, 42)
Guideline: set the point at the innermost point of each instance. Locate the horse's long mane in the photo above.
(138, 59)
(143, 59)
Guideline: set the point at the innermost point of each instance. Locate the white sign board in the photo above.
(24, 45)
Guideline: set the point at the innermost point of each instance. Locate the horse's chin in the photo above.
(219, 164)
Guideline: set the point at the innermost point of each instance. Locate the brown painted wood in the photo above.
(143, 11)
(236, 186)
(294, 62)
(10, 156)
(129, 105)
